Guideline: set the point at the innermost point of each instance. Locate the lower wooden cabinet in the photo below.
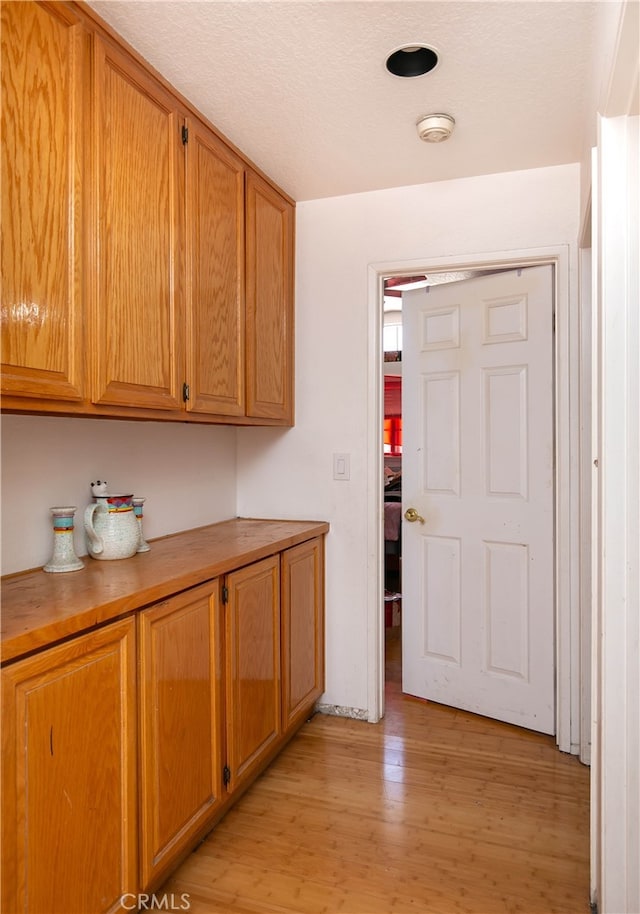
(302, 619)
(69, 800)
(180, 725)
(253, 718)
(122, 747)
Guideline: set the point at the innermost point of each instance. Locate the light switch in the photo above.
(341, 467)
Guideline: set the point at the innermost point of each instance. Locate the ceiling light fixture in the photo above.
(412, 60)
(434, 128)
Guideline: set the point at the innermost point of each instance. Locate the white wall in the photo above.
(608, 17)
(290, 474)
(186, 473)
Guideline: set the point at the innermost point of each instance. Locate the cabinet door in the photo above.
(137, 344)
(215, 270)
(269, 313)
(302, 630)
(180, 708)
(252, 667)
(44, 67)
(69, 823)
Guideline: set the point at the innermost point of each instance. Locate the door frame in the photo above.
(566, 457)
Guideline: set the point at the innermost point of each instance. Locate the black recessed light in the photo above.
(412, 60)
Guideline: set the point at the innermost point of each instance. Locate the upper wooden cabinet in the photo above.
(131, 233)
(270, 331)
(215, 275)
(137, 323)
(45, 66)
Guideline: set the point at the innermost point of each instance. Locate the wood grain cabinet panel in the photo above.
(123, 746)
(180, 725)
(137, 337)
(69, 803)
(302, 630)
(147, 269)
(253, 717)
(215, 275)
(270, 330)
(45, 65)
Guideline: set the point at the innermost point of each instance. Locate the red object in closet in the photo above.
(392, 396)
(393, 434)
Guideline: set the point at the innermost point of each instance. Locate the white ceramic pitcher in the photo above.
(111, 527)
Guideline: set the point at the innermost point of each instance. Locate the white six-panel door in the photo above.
(478, 573)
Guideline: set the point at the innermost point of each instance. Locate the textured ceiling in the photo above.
(302, 89)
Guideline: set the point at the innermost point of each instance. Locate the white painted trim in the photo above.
(586, 473)
(615, 749)
(567, 463)
(617, 782)
(595, 806)
(375, 519)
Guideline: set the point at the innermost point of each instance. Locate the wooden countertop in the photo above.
(40, 608)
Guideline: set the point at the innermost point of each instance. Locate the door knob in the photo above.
(412, 516)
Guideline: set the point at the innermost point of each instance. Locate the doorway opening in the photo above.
(566, 447)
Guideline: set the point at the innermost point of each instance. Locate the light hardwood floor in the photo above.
(432, 811)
